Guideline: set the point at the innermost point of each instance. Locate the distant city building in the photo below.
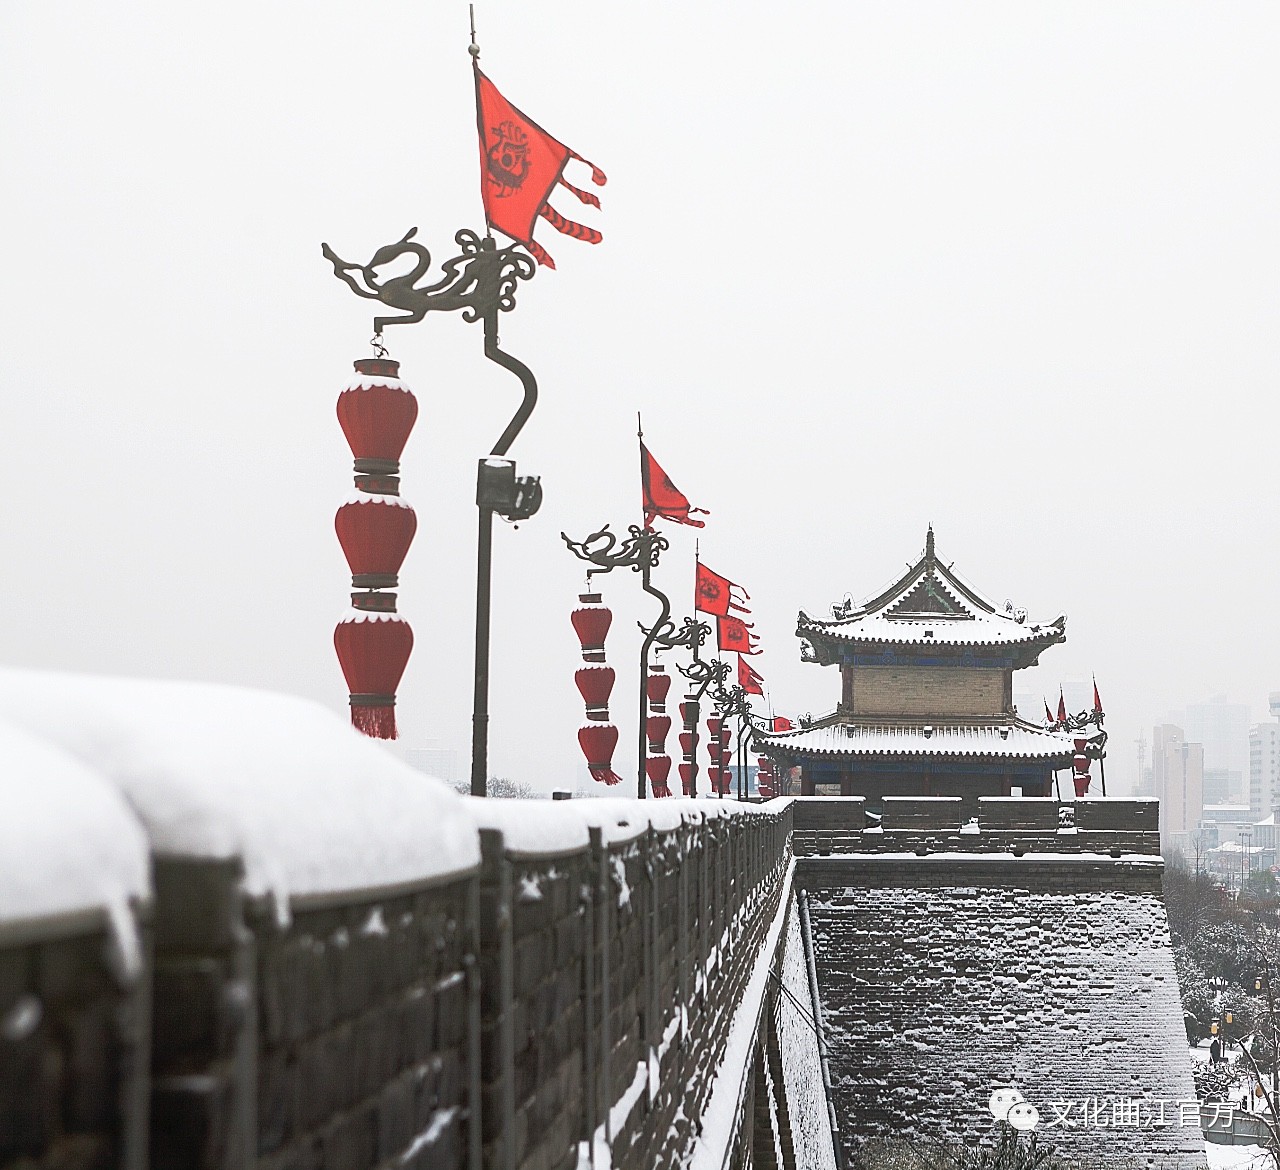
(1222, 785)
(1264, 763)
(1177, 771)
(440, 762)
(1223, 729)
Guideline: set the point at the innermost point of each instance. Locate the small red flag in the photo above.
(781, 723)
(714, 593)
(660, 497)
(520, 165)
(734, 634)
(1048, 715)
(748, 678)
(1062, 707)
(1097, 699)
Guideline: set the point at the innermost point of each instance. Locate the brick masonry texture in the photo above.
(942, 980)
(927, 691)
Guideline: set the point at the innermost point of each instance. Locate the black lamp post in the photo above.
(639, 551)
(481, 283)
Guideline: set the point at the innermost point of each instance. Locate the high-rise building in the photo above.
(1177, 770)
(1223, 728)
(1264, 764)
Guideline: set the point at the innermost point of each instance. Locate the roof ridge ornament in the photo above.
(928, 544)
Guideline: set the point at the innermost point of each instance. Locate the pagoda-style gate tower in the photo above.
(927, 703)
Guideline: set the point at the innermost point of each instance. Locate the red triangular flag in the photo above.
(660, 497)
(1062, 707)
(734, 634)
(714, 593)
(520, 164)
(748, 679)
(1048, 715)
(1097, 699)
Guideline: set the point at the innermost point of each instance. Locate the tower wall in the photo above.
(928, 691)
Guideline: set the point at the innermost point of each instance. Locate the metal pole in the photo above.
(484, 543)
(480, 703)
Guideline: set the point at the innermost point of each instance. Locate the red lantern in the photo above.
(714, 723)
(718, 778)
(657, 727)
(656, 686)
(726, 734)
(1080, 763)
(373, 649)
(591, 623)
(658, 768)
(598, 741)
(689, 713)
(595, 684)
(686, 744)
(686, 778)
(377, 412)
(375, 533)
(1081, 781)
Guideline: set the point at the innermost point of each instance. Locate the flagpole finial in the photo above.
(474, 47)
(639, 428)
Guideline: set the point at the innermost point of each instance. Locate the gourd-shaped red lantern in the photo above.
(686, 778)
(658, 768)
(591, 622)
(718, 778)
(714, 723)
(656, 687)
(373, 649)
(689, 713)
(377, 412)
(595, 684)
(657, 728)
(686, 744)
(375, 532)
(598, 741)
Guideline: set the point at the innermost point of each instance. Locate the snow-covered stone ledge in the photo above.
(349, 965)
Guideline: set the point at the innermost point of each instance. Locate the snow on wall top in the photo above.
(1010, 740)
(561, 826)
(309, 804)
(68, 840)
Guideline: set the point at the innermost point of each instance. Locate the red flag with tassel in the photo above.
(520, 165)
(714, 594)
(660, 497)
(734, 634)
(748, 679)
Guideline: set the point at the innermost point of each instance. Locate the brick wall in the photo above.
(72, 1049)
(945, 979)
(928, 690)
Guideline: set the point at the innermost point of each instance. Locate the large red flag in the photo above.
(734, 634)
(714, 593)
(520, 164)
(781, 723)
(748, 679)
(660, 497)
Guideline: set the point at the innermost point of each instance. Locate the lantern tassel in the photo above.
(605, 775)
(375, 722)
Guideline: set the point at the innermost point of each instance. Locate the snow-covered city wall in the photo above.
(347, 965)
(946, 976)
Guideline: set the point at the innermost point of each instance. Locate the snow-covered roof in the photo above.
(930, 605)
(310, 805)
(1010, 740)
(69, 844)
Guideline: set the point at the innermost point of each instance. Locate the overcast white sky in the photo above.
(1011, 268)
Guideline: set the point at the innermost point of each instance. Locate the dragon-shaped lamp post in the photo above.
(734, 703)
(481, 283)
(703, 673)
(639, 551)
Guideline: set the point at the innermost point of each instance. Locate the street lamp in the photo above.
(481, 283)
